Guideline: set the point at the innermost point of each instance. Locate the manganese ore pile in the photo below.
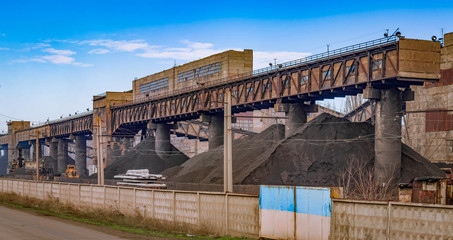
(143, 156)
(315, 155)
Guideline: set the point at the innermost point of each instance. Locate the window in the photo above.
(304, 79)
(351, 69)
(200, 72)
(153, 86)
(377, 64)
(326, 74)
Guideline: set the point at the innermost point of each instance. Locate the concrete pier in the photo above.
(387, 165)
(26, 153)
(53, 151)
(163, 145)
(62, 155)
(216, 124)
(33, 147)
(81, 155)
(297, 117)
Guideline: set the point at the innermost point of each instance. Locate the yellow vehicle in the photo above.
(71, 172)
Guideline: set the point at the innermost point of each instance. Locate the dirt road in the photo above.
(20, 224)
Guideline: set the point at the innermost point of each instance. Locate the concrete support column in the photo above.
(33, 145)
(62, 155)
(216, 124)
(81, 155)
(26, 153)
(297, 117)
(387, 147)
(53, 150)
(4, 161)
(296, 113)
(163, 145)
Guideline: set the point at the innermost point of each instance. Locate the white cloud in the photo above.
(197, 45)
(3, 34)
(98, 51)
(122, 45)
(59, 59)
(59, 52)
(192, 51)
(35, 46)
(82, 64)
(4, 49)
(197, 50)
(30, 60)
(262, 59)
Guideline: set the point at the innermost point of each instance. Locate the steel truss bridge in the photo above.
(346, 71)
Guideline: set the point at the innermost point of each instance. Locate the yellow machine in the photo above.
(71, 172)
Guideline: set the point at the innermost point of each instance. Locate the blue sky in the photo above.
(55, 55)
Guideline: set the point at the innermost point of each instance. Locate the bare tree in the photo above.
(358, 182)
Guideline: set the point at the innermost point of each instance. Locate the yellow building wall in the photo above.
(232, 63)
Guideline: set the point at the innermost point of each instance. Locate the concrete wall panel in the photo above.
(187, 211)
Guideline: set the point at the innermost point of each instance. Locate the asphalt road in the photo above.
(22, 224)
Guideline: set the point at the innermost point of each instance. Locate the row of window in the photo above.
(152, 86)
(200, 72)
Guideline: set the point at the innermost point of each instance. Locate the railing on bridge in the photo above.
(329, 54)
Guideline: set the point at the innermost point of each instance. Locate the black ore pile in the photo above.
(314, 155)
(143, 156)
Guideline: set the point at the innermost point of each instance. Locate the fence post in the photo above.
(226, 213)
(174, 208)
(389, 217)
(135, 199)
(69, 193)
(91, 196)
(152, 215)
(59, 192)
(105, 193)
(198, 209)
(119, 200)
(78, 195)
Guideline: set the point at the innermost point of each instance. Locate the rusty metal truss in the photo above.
(330, 77)
(80, 125)
(363, 113)
(194, 129)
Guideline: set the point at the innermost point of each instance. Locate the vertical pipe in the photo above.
(230, 143)
(227, 145)
(98, 143)
(37, 155)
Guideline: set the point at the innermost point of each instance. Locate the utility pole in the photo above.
(37, 154)
(227, 145)
(99, 154)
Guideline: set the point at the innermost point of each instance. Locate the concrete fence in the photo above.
(215, 213)
(390, 220)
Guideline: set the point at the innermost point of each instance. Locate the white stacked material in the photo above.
(141, 178)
